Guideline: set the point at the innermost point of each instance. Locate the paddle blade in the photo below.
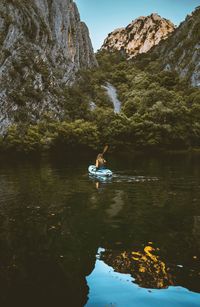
(105, 149)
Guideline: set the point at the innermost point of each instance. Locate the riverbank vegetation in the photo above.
(159, 111)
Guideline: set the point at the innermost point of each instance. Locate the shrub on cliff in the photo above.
(75, 134)
(23, 138)
(44, 135)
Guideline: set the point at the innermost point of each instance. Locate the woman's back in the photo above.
(100, 162)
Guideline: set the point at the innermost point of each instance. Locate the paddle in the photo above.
(105, 149)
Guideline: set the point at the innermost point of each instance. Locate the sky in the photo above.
(103, 16)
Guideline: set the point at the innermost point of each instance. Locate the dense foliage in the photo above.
(159, 110)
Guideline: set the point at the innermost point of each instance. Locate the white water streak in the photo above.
(112, 94)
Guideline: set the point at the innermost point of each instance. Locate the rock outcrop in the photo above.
(139, 36)
(43, 43)
(181, 51)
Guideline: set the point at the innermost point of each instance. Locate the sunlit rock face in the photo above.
(139, 36)
(181, 51)
(42, 45)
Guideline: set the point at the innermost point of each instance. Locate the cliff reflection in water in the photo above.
(44, 248)
(108, 287)
(53, 219)
(145, 267)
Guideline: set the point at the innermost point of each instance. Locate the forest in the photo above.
(159, 111)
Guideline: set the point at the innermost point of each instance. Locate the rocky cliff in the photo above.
(139, 36)
(181, 51)
(42, 45)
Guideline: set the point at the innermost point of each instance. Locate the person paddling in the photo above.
(100, 161)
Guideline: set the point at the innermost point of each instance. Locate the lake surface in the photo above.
(67, 239)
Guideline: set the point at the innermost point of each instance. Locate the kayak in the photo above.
(104, 172)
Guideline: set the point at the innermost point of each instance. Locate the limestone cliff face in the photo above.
(181, 51)
(42, 45)
(139, 36)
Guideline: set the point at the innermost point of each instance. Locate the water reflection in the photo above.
(108, 287)
(196, 229)
(148, 270)
(53, 219)
(116, 205)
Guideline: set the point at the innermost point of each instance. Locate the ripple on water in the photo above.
(129, 179)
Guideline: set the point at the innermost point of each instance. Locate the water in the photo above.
(112, 94)
(67, 239)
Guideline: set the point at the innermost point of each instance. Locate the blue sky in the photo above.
(103, 16)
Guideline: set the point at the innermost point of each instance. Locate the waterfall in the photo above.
(112, 94)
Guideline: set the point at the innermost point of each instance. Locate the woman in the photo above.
(100, 162)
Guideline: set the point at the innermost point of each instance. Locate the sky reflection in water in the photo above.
(110, 288)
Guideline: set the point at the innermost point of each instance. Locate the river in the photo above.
(70, 240)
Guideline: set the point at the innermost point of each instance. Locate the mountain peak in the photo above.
(155, 15)
(140, 35)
